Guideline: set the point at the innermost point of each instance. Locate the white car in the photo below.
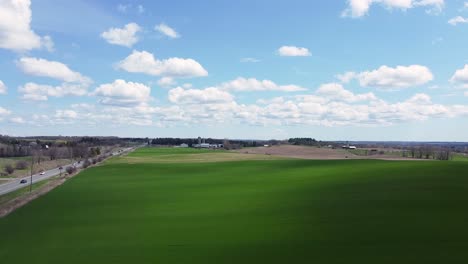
(42, 173)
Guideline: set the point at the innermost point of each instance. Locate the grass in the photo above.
(25, 190)
(150, 151)
(185, 155)
(282, 211)
(460, 157)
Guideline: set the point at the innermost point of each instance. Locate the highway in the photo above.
(15, 184)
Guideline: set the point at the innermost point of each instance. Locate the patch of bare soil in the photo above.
(304, 152)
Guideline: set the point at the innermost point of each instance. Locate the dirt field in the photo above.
(193, 158)
(304, 152)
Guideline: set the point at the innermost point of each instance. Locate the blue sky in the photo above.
(333, 70)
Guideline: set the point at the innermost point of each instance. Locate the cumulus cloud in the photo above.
(458, 20)
(251, 84)
(396, 78)
(166, 82)
(126, 36)
(359, 8)
(336, 91)
(167, 31)
(40, 92)
(74, 83)
(346, 77)
(293, 51)
(145, 62)
(330, 105)
(52, 69)
(211, 95)
(123, 93)
(17, 120)
(3, 88)
(15, 29)
(4, 112)
(460, 77)
(66, 114)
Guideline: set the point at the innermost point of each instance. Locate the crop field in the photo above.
(246, 211)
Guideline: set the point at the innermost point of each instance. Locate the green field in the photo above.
(250, 211)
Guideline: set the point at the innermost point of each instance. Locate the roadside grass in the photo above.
(20, 192)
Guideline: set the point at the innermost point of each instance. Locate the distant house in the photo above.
(348, 147)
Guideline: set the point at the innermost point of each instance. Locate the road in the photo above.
(15, 184)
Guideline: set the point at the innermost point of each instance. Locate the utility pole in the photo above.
(32, 165)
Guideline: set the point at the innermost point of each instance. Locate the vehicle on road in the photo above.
(42, 173)
(23, 181)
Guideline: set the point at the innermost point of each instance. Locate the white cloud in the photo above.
(460, 77)
(126, 36)
(48, 43)
(458, 20)
(166, 30)
(466, 94)
(4, 112)
(17, 120)
(122, 93)
(251, 84)
(293, 51)
(336, 91)
(395, 78)
(3, 88)
(166, 82)
(66, 114)
(51, 69)
(248, 59)
(211, 95)
(39, 92)
(15, 30)
(144, 62)
(359, 8)
(74, 83)
(346, 77)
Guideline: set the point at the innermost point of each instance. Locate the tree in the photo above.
(53, 153)
(9, 169)
(21, 165)
(70, 169)
(86, 163)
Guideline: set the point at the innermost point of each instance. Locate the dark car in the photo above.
(23, 181)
